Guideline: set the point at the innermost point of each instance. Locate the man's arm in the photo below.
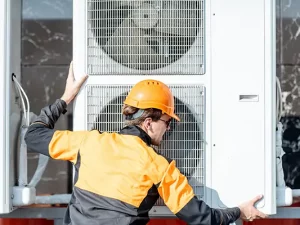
(41, 137)
(178, 195)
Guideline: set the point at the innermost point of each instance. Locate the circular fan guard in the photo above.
(145, 35)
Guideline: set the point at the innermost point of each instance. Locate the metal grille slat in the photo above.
(158, 37)
(184, 142)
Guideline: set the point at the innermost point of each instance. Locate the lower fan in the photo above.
(184, 142)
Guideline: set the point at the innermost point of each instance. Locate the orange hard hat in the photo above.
(152, 94)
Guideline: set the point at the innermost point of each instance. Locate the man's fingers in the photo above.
(262, 215)
(81, 80)
(71, 72)
(257, 198)
(259, 214)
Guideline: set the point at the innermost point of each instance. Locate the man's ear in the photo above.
(147, 123)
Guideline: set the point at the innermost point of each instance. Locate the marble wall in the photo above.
(47, 52)
(288, 71)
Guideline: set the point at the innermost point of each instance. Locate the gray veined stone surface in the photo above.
(288, 71)
(46, 54)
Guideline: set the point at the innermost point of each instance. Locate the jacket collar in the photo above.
(137, 131)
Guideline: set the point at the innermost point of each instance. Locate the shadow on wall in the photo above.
(291, 147)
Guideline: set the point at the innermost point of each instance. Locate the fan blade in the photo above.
(128, 45)
(179, 18)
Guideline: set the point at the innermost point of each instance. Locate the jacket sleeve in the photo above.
(179, 197)
(41, 137)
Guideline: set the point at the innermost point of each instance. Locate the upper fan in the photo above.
(145, 35)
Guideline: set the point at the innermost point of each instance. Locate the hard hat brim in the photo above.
(175, 117)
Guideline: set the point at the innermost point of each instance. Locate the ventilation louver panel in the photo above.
(184, 142)
(142, 37)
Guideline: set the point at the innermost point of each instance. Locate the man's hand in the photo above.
(249, 212)
(72, 86)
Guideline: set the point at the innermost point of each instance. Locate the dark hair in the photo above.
(128, 110)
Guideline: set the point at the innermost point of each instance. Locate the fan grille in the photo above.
(157, 37)
(184, 142)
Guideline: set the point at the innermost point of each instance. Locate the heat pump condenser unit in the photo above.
(10, 17)
(217, 58)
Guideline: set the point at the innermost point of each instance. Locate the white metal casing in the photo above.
(10, 23)
(5, 191)
(238, 64)
(243, 102)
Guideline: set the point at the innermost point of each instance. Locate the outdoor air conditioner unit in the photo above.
(218, 57)
(10, 115)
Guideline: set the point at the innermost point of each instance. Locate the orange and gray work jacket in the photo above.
(119, 176)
